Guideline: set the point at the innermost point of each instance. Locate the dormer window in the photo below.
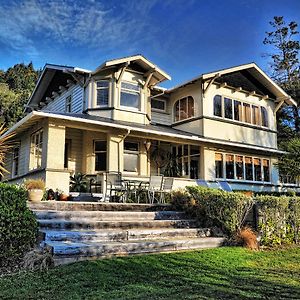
(130, 95)
(102, 92)
(184, 108)
(158, 105)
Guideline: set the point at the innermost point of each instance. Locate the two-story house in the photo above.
(218, 126)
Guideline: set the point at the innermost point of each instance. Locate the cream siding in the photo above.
(161, 118)
(75, 152)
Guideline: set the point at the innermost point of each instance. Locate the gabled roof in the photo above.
(138, 59)
(254, 71)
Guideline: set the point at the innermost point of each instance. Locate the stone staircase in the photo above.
(80, 231)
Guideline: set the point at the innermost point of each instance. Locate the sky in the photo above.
(185, 38)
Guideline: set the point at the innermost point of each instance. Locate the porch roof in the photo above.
(150, 129)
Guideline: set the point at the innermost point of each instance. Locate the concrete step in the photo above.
(123, 235)
(85, 223)
(109, 215)
(94, 206)
(65, 252)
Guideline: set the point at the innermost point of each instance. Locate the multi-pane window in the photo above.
(219, 165)
(158, 104)
(130, 95)
(15, 160)
(100, 155)
(239, 111)
(131, 156)
(102, 92)
(242, 167)
(184, 108)
(68, 104)
(36, 147)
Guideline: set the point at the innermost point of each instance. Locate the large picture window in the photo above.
(102, 92)
(130, 95)
(36, 147)
(131, 156)
(100, 155)
(228, 108)
(184, 108)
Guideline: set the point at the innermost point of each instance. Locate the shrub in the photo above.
(18, 225)
(248, 238)
(226, 210)
(34, 184)
(78, 183)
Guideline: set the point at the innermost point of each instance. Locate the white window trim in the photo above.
(174, 109)
(157, 109)
(102, 88)
(243, 112)
(138, 152)
(33, 165)
(244, 169)
(130, 108)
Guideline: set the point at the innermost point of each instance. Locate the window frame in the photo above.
(16, 160)
(100, 152)
(36, 160)
(157, 109)
(68, 103)
(132, 92)
(102, 88)
(133, 152)
(179, 101)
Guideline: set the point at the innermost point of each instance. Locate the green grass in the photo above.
(223, 273)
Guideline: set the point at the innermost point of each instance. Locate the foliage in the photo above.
(34, 184)
(226, 210)
(16, 86)
(171, 166)
(285, 66)
(78, 183)
(248, 238)
(278, 219)
(5, 145)
(18, 226)
(223, 273)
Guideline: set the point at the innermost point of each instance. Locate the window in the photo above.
(36, 147)
(219, 165)
(248, 168)
(67, 153)
(247, 112)
(131, 156)
(218, 106)
(100, 155)
(68, 105)
(130, 95)
(157, 104)
(266, 169)
(228, 108)
(239, 167)
(255, 115)
(264, 117)
(229, 166)
(184, 108)
(15, 162)
(102, 92)
(257, 169)
(238, 111)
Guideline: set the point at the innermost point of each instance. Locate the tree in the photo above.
(286, 71)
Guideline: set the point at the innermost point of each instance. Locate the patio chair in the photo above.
(167, 188)
(202, 182)
(95, 183)
(225, 186)
(115, 186)
(154, 187)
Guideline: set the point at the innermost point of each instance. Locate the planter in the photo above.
(63, 197)
(35, 195)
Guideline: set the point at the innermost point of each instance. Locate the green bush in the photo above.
(278, 219)
(226, 210)
(18, 225)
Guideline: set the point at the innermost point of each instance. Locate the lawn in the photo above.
(223, 273)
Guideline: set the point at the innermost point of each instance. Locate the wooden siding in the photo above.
(58, 104)
(75, 154)
(161, 118)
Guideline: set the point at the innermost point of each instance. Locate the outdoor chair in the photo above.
(116, 188)
(155, 187)
(95, 183)
(167, 188)
(202, 182)
(225, 186)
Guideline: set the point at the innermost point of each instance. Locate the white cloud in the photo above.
(27, 25)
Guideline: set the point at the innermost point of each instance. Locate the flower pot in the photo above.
(35, 195)
(63, 197)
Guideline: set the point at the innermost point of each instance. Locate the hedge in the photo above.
(18, 225)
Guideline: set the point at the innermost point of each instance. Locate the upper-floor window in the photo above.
(130, 95)
(15, 162)
(184, 108)
(240, 111)
(36, 147)
(102, 92)
(158, 105)
(68, 106)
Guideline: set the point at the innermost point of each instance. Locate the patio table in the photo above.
(134, 187)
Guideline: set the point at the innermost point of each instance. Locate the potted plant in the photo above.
(35, 188)
(78, 183)
(61, 196)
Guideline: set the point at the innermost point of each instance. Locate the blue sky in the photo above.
(183, 37)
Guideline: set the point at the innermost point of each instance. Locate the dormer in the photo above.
(120, 89)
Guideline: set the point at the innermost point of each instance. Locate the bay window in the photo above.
(184, 108)
(130, 95)
(102, 92)
(218, 106)
(228, 108)
(238, 111)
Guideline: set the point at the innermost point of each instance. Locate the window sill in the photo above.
(245, 181)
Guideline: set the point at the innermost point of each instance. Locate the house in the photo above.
(218, 126)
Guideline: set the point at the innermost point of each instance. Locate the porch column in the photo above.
(143, 160)
(115, 145)
(207, 164)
